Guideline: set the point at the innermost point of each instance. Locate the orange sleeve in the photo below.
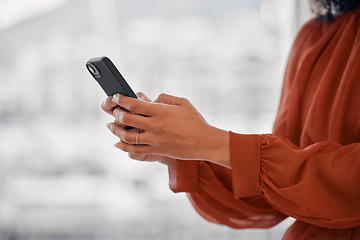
(209, 188)
(184, 178)
(318, 184)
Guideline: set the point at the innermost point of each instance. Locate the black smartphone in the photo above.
(109, 78)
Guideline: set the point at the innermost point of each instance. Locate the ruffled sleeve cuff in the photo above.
(245, 157)
(184, 177)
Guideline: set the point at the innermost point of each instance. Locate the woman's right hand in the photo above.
(109, 106)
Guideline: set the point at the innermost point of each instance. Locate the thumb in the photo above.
(169, 99)
(143, 97)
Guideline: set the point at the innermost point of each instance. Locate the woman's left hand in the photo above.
(171, 127)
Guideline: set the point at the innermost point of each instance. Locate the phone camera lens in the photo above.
(93, 70)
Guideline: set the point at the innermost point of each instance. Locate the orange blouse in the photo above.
(309, 167)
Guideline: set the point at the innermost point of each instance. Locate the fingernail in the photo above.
(115, 97)
(115, 145)
(108, 125)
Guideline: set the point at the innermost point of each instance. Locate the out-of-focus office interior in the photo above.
(60, 176)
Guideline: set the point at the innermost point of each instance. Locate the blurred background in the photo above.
(60, 176)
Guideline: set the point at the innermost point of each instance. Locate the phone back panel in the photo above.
(109, 77)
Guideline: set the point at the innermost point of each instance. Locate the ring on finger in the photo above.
(137, 138)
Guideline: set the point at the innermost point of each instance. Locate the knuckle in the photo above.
(184, 100)
(163, 95)
(143, 97)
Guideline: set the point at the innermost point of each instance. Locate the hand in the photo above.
(109, 106)
(172, 128)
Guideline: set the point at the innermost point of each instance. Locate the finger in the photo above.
(119, 123)
(131, 119)
(135, 149)
(140, 157)
(124, 126)
(143, 97)
(134, 105)
(148, 157)
(130, 137)
(108, 105)
(169, 99)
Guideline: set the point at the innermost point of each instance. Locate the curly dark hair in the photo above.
(329, 7)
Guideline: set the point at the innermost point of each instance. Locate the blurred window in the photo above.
(57, 163)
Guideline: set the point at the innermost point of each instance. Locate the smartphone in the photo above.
(109, 78)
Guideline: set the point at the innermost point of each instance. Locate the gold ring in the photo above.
(137, 138)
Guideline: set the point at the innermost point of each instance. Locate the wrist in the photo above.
(218, 147)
